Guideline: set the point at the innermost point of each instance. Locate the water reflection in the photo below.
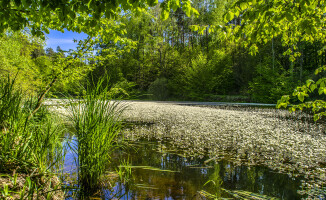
(192, 176)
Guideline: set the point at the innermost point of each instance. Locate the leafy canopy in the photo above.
(75, 15)
(292, 21)
(93, 17)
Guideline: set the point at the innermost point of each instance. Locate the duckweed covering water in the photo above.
(286, 142)
(158, 172)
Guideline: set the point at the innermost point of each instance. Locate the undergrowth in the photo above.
(30, 147)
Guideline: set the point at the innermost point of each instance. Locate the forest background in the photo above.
(176, 57)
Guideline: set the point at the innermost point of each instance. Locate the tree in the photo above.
(76, 15)
(49, 52)
(295, 22)
(168, 49)
(38, 51)
(59, 50)
(16, 51)
(88, 16)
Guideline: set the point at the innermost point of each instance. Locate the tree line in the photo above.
(178, 56)
(172, 60)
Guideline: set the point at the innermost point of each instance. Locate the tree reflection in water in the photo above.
(193, 176)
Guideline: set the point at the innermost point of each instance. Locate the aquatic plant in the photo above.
(216, 182)
(26, 144)
(146, 168)
(237, 194)
(96, 123)
(287, 142)
(124, 173)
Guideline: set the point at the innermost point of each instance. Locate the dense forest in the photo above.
(168, 60)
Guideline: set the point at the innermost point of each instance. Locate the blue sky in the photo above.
(64, 40)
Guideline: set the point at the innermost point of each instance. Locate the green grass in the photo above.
(96, 122)
(32, 147)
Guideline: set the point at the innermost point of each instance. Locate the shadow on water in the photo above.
(187, 178)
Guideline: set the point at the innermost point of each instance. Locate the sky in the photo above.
(64, 40)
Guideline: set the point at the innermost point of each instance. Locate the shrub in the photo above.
(159, 89)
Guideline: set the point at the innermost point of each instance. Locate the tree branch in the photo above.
(54, 80)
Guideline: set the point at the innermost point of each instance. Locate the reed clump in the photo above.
(96, 122)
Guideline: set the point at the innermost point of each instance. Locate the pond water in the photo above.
(159, 172)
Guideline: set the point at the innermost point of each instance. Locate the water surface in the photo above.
(192, 178)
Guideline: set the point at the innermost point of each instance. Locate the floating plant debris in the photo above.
(287, 142)
(149, 168)
(150, 177)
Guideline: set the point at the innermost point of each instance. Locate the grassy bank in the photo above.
(31, 148)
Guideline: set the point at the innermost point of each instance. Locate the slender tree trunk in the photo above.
(53, 81)
(273, 52)
(207, 48)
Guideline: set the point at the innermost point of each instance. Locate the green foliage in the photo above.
(296, 23)
(124, 172)
(137, 48)
(207, 76)
(270, 84)
(189, 62)
(159, 89)
(15, 51)
(196, 60)
(96, 122)
(31, 188)
(302, 93)
(80, 16)
(123, 90)
(90, 17)
(215, 181)
(292, 21)
(26, 144)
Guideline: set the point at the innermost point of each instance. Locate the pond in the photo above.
(161, 172)
(264, 153)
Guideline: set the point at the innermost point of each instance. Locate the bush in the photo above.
(159, 89)
(122, 90)
(270, 84)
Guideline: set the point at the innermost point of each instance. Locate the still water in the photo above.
(158, 172)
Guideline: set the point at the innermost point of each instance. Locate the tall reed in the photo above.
(96, 121)
(30, 146)
(11, 124)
